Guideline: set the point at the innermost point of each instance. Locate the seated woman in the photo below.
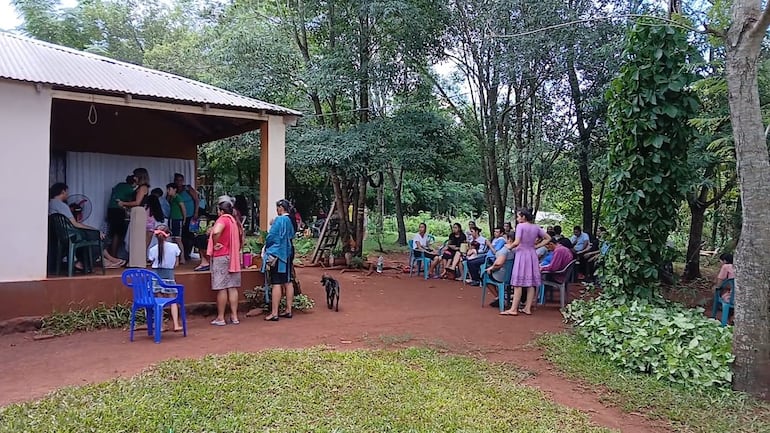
(726, 272)
(422, 248)
(451, 255)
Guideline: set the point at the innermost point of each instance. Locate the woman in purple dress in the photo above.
(526, 268)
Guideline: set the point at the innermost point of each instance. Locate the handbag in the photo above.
(272, 262)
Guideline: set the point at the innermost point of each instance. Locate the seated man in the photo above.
(57, 204)
(559, 260)
(581, 245)
(496, 270)
(601, 250)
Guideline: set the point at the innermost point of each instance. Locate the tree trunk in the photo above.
(599, 204)
(395, 186)
(381, 215)
(692, 259)
(751, 335)
(584, 147)
(359, 209)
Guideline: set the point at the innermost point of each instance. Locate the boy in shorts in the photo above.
(177, 216)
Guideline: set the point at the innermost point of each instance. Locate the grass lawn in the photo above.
(688, 410)
(412, 390)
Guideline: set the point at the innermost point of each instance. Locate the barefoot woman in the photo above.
(526, 268)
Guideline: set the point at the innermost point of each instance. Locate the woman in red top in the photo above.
(225, 242)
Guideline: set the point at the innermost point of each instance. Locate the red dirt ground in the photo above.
(377, 311)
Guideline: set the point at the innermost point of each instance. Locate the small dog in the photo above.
(332, 287)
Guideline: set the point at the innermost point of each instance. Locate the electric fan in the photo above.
(80, 206)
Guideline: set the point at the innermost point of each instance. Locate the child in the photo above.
(164, 258)
(473, 251)
(725, 273)
(177, 215)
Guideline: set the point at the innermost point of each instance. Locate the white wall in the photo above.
(25, 125)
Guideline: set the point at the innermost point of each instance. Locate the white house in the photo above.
(88, 120)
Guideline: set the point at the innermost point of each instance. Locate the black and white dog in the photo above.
(332, 287)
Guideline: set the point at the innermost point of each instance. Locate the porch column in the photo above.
(272, 175)
(25, 122)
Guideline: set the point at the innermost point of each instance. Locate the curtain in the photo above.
(94, 175)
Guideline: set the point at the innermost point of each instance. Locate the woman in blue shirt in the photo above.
(276, 259)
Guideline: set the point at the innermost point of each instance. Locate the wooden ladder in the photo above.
(329, 236)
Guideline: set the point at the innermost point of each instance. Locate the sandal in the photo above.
(271, 319)
(286, 315)
(201, 268)
(218, 322)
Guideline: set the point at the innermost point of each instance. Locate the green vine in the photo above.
(650, 105)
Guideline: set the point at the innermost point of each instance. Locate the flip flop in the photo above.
(201, 268)
(522, 311)
(218, 322)
(508, 313)
(271, 319)
(286, 315)
(235, 322)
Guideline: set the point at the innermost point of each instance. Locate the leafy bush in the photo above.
(304, 246)
(669, 341)
(62, 323)
(650, 105)
(256, 299)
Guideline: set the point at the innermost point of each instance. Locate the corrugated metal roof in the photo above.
(31, 60)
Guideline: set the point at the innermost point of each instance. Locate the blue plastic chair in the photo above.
(143, 283)
(719, 302)
(414, 260)
(465, 269)
(486, 281)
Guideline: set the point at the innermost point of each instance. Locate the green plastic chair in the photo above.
(69, 238)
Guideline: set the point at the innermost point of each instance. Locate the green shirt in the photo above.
(122, 192)
(176, 208)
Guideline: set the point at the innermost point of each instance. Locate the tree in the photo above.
(651, 104)
(413, 141)
(751, 336)
(713, 162)
(503, 75)
(357, 56)
(590, 62)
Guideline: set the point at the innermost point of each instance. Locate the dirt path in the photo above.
(378, 311)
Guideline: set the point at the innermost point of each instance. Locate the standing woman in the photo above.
(224, 248)
(526, 267)
(137, 226)
(277, 256)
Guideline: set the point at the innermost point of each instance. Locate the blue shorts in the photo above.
(176, 228)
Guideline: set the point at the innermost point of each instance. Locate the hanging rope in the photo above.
(93, 117)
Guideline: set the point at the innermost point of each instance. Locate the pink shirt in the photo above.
(224, 237)
(561, 258)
